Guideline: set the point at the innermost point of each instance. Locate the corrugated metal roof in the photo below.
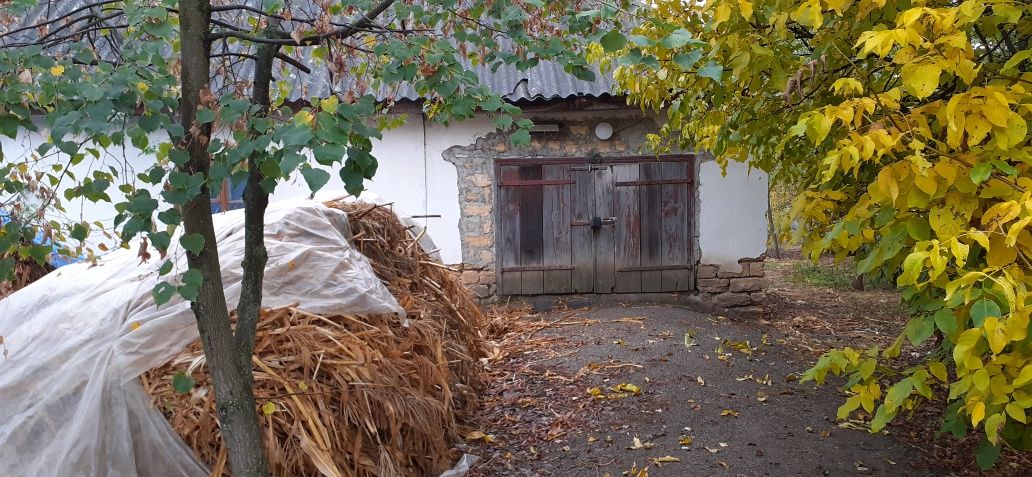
(544, 82)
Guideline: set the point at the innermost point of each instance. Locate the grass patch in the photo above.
(829, 276)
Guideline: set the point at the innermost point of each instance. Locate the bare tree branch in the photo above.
(279, 56)
(358, 24)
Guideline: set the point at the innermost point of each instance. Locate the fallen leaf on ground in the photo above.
(479, 435)
(627, 388)
(761, 396)
(729, 412)
(665, 460)
(713, 450)
(685, 440)
(638, 444)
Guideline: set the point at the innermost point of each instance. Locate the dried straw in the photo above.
(25, 273)
(353, 396)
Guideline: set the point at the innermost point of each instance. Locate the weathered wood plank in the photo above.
(651, 226)
(557, 218)
(508, 227)
(628, 229)
(582, 243)
(675, 227)
(605, 236)
(531, 230)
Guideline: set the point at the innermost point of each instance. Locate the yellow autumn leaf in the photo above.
(721, 14)
(921, 79)
(977, 413)
(627, 388)
(746, 8)
(996, 334)
(938, 370)
(1016, 412)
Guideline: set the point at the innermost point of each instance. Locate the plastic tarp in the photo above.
(77, 340)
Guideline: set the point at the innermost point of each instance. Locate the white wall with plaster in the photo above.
(732, 214)
(412, 174)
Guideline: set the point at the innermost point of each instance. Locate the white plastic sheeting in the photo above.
(70, 400)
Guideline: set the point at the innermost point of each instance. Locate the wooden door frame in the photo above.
(500, 162)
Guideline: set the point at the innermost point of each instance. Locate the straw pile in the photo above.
(25, 273)
(349, 395)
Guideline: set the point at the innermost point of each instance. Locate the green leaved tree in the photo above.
(165, 77)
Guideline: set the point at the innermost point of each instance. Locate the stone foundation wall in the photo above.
(741, 293)
(481, 282)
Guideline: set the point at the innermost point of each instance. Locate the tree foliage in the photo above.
(906, 121)
(192, 83)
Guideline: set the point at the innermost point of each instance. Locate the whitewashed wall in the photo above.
(413, 175)
(732, 214)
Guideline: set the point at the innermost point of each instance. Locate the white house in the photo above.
(583, 209)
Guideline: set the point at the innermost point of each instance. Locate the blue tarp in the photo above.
(56, 258)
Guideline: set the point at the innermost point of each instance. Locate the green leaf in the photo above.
(633, 57)
(983, 309)
(193, 277)
(676, 39)
(981, 171)
(162, 293)
(712, 71)
(165, 268)
(919, 329)
(986, 454)
(192, 242)
(946, 322)
(316, 178)
(205, 115)
(520, 138)
(613, 41)
(503, 122)
(687, 60)
(181, 383)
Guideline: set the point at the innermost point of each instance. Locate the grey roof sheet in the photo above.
(544, 82)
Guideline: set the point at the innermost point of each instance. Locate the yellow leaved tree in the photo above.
(906, 122)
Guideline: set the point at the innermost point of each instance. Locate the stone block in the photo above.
(480, 180)
(758, 298)
(487, 277)
(478, 210)
(727, 274)
(470, 277)
(747, 284)
(749, 312)
(480, 291)
(731, 300)
(756, 269)
(478, 241)
(707, 271)
(713, 285)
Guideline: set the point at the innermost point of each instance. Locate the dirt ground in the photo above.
(614, 390)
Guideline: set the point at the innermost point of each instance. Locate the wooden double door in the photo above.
(576, 226)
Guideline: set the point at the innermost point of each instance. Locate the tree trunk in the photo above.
(234, 396)
(772, 230)
(256, 200)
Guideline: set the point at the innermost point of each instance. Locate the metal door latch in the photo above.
(598, 222)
